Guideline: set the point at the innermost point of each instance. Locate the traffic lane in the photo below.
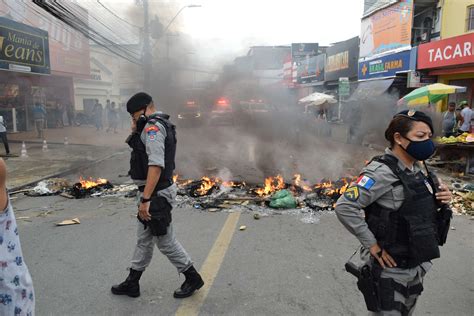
(449, 285)
(73, 267)
(281, 266)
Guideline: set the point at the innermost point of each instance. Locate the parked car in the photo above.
(190, 114)
(222, 113)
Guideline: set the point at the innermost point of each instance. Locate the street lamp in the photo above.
(180, 10)
(147, 49)
(174, 18)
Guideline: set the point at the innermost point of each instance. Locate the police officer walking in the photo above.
(153, 143)
(406, 217)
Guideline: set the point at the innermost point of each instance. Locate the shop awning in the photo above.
(452, 71)
(371, 89)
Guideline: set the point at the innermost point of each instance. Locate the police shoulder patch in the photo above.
(152, 129)
(352, 193)
(365, 182)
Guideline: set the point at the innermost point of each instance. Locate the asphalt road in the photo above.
(277, 266)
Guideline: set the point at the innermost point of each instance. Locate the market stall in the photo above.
(457, 150)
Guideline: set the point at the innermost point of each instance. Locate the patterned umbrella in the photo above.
(429, 94)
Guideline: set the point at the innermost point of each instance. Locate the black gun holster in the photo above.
(160, 211)
(367, 284)
(379, 293)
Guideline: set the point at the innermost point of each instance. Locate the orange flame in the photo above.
(301, 183)
(90, 183)
(272, 184)
(206, 185)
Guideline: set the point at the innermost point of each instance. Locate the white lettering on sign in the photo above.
(447, 53)
(467, 48)
(446, 56)
(438, 55)
(430, 51)
(457, 51)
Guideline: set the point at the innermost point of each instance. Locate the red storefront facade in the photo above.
(452, 60)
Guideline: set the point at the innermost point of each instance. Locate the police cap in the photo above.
(138, 102)
(418, 116)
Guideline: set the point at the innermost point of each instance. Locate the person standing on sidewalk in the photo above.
(450, 121)
(39, 114)
(108, 107)
(17, 295)
(113, 118)
(97, 112)
(153, 143)
(466, 116)
(3, 135)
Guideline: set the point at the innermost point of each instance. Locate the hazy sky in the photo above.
(228, 27)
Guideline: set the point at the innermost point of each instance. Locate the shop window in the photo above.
(470, 18)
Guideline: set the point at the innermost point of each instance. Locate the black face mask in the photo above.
(420, 150)
(141, 122)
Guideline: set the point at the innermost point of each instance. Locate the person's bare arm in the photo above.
(3, 187)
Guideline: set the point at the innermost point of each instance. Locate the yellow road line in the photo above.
(210, 268)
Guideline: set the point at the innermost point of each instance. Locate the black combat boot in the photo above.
(130, 286)
(192, 283)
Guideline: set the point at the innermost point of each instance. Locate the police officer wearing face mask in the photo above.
(406, 217)
(153, 143)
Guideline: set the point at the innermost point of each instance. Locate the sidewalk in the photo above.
(86, 146)
(82, 135)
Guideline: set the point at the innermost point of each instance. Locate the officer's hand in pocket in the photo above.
(382, 257)
(144, 211)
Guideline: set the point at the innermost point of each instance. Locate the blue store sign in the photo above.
(386, 66)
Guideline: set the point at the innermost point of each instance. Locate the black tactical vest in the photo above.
(408, 234)
(139, 157)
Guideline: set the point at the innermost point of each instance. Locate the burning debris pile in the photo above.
(83, 188)
(214, 193)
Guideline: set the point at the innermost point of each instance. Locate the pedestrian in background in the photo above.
(39, 115)
(113, 118)
(17, 296)
(3, 135)
(58, 115)
(450, 121)
(108, 107)
(70, 114)
(466, 117)
(97, 112)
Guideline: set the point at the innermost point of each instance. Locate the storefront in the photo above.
(452, 60)
(341, 62)
(24, 63)
(66, 57)
(387, 73)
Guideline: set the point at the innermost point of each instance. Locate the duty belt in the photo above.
(160, 186)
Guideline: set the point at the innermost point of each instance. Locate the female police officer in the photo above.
(401, 230)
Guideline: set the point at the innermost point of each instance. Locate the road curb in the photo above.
(49, 142)
(64, 172)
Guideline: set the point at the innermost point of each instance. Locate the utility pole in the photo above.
(147, 55)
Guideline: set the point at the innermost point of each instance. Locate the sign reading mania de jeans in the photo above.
(23, 48)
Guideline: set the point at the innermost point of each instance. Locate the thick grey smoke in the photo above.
(283, 141)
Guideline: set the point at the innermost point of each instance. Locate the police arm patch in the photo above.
(151, 132)
(365, 182)
(352, 193)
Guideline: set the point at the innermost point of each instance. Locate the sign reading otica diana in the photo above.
(387, 29)
(458, 50)
(23, 48)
